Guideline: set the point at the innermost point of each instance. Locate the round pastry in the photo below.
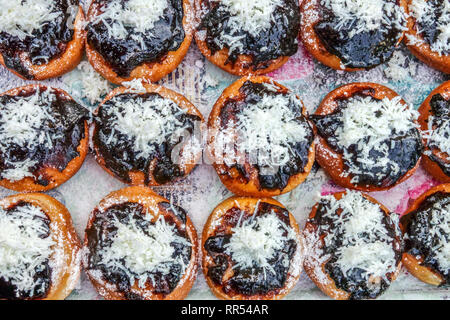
(426, 226)
(368, 138)
(247, 37)
(434, 121)
(148, 137)
(428, 34)
(352, 35)
(259, 138)
(354, 246)
(43, 138)
(39, 248)
(132, 39)
(252, 250)
(41, 39)
(139, 245)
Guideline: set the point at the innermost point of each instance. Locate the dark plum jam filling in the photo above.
(252, 93)
(366, 49)
(65, 128)
(430, 31)
(279, 40)
(354, 282)
(124, 55)
(419, 241)
(121, 157)
(248, 281)
(440, 110)
(41, 278)
(100, 237)
(42, 45)
(403, 150)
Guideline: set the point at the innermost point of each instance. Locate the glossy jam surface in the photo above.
(66, 129)
(42, 279)
(248, 281)
(419, 241)
(366, 49)
(279, 40)
(42, 45)
(404, 150)
(104, 228)
(440, 109)
(354, 282)
(252, 93)
(121, 158)
(124, 55)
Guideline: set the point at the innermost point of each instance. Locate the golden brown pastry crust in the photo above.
(414, 264)
(147, 198)
(423, 50)
(330, 160)
(137, 177)
(425, 112)
(209, 230)
(313, 44)
(328, 286)
(243, 65)
(55, 176)
(153, 71)
(65, 237)
(62, 64)
(235, 183)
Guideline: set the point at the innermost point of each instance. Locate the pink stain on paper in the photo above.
(299, 66)
(330, 187)
(399, 198)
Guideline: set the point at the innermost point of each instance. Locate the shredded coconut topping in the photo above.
(148, 122)
(140, 15)
(21, 124)
(264, 131)
(248, 16)
(95, 87)
(364, 240)
(366, 15)
(438, 137)
(376, 119)
(251, 16)
(439, 231)
(25, 246)
(255, 241)
(423, 12)
(367, 123)
(144, 250)
(21, 17)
